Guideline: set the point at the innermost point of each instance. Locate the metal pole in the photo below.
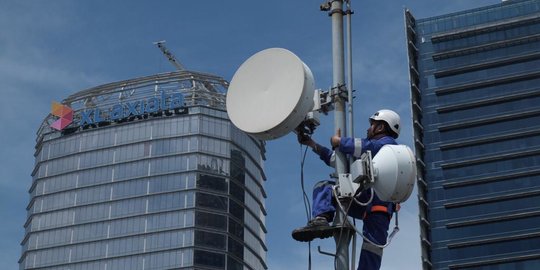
(350, 128)
(343, 236)
(338, 76)
(350, 111)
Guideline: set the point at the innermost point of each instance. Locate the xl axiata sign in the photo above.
(127, 110)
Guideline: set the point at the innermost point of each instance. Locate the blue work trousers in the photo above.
(375, 224)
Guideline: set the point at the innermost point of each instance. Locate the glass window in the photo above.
(134, 262)
(126, 226)
(255, 244)
(57, 201)
(129, 188)
(167, 183)
(236, 248)
(212, 183)
(128, 207)
(95, 176)
(91, 213)
(133, 132)
(125, 246)
(505, 165)
(93, 194)
(52, 220)
(168, 240)
(65, 146)
(132, 152)
(489, 90)
(236, 229)
(61, 165)
(52, 256)
(492, 110)
(515, 124)
(173, 164)
(96, 158)
(88, 232)
(212, 164)
(208, 220)
(513, 143)
(172, 145)
(211, 240)
(233, 264)
(486, 209)
(131, 170)
(493, 249)
(252, 260)
(177, 200)
(201, 257)
(530, 264)
(50, 238)
(95, 250)
(236, 210)
(97, 139)
(169, 259)
(169, 220)
(211, 201)
(213, 146)
(58, 183)
(237, 192)
(254, 224)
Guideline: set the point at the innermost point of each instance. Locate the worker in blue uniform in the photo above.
(384, 129)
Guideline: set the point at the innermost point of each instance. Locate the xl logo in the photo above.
(65, 114)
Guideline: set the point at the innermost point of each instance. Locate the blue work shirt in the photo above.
(355, 147)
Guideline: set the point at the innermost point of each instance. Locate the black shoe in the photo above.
(316, 228)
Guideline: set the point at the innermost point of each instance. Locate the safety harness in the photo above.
(368, 243)
(382, 209)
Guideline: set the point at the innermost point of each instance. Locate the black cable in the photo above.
(307, 204)
(344, 222)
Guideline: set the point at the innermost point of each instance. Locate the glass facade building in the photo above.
(137, 183)
(475, 88)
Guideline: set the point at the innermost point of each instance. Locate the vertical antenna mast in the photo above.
(350, 129)
(348, 14)
(344, 235)
(169, 55)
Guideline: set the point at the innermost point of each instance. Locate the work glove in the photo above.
(335, 140)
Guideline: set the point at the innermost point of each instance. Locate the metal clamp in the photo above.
(327, 102)
(340, 90)
(327, 6)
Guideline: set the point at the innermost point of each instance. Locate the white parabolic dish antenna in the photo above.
(270, 94)
(395, 173)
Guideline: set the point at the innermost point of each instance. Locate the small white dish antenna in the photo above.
(395, 173)
(270, 94)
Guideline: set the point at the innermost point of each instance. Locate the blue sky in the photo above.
(51, 49)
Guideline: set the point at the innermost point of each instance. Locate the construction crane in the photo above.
(202, 90)
(169, 55)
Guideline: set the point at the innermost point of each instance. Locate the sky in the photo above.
(52, 49)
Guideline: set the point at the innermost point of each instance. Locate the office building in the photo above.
(475, 88)
(146, 173)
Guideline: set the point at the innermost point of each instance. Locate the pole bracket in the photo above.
(326, 253)
(327, 6)
(339, 91)
(337, 10)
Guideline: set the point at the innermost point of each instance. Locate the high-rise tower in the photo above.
(475, 87)
(146, 173)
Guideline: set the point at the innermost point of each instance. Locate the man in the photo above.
(384, 129)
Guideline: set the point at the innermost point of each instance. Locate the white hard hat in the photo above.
(390, 117)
